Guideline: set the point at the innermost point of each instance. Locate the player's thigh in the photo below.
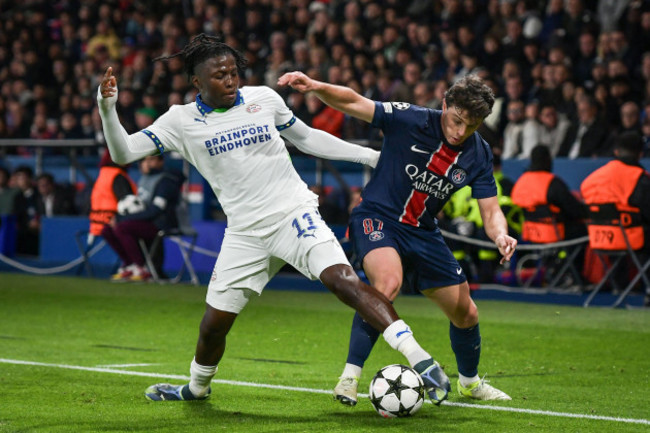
(243, 268)
(306, 242)
(383, 267)
(456, 302)
(375, 243)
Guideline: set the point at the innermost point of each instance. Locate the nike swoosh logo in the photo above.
(459, 270)
(414, 148)
(406, 331)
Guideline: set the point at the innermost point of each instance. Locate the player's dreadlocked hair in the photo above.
(471, 94)
(202, 48)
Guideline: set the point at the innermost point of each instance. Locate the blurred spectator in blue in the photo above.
(8, 194)
(552, 22)
(28, 219)
(583, 57)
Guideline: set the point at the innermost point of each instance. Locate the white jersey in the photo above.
(240, 153)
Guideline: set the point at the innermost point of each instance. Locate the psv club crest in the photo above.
(253, 108)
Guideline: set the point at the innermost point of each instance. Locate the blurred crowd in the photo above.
(560, 68)
(572, 75)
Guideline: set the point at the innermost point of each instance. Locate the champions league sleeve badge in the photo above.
(401, 105)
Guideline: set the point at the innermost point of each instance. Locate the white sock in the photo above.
(352, 370)
(399, 336)
(467, 381)
(200, 378)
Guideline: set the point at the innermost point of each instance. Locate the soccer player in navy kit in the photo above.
(426, 156)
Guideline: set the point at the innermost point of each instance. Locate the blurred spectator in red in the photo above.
(324, 117)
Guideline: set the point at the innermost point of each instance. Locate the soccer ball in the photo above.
(396, 391)
(130, 204)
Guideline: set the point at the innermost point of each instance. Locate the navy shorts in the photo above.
(427, 261)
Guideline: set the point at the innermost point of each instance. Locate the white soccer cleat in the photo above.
(481, 390)
(346, 390)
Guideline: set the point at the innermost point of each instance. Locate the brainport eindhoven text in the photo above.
(234, 140)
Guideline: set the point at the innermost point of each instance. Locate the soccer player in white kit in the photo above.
(232, 136)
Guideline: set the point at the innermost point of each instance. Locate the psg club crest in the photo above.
(253, 108)
(376, 236)
(458, 176)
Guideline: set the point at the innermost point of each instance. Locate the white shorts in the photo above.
(248, 260)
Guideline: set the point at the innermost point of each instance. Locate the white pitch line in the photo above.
(320, 391)
(124, 365)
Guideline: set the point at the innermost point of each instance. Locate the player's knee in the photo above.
(343, 282)
(389, 286)
(468, 318)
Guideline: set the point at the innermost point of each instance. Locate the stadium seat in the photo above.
(616, 235)
(541, 228)
(86, 242)
(186, 248)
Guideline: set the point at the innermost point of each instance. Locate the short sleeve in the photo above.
(396, 115)
(484, 185)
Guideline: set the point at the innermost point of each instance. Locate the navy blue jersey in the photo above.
(417, 171)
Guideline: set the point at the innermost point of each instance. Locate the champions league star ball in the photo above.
(396, 391)
(130, 204)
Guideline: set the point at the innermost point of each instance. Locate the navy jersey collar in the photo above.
(205, 108)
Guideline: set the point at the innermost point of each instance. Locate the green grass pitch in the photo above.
(76, 355)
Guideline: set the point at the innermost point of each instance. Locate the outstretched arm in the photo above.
(124, 148)
(496, 227)
(323, 145)
(341, 98)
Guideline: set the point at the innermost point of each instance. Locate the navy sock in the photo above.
(466, 344)
(362, 339)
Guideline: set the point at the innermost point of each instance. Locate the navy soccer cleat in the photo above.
(167, 392)
(435, 380)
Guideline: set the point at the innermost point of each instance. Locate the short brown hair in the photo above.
(471, 94)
